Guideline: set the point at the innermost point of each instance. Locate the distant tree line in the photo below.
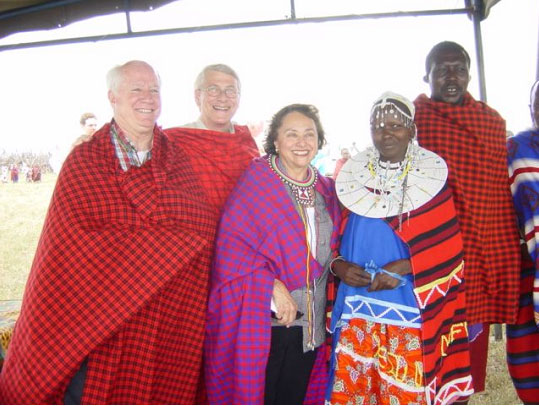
(29, 158)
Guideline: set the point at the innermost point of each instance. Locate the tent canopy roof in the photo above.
(31, 15)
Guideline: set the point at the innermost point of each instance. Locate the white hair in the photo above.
(115, 75)
(219, 67)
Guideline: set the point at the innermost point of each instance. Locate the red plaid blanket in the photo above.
(218, 158)
(120, 277)
(471, 139)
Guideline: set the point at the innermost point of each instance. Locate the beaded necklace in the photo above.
(303, 191)
(391, 179)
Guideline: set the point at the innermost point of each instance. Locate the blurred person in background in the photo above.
(88, 123)
(14, 173)
(345, 156)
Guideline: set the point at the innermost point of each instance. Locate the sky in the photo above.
(340, 67)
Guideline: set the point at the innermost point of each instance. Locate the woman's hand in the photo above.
(384, 281)
(350, 273)
(400, 266)
(286, 305)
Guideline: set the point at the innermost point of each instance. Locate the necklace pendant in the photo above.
(303, 196)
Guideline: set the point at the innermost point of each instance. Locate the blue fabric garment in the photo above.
(367, 239)
(523, 161)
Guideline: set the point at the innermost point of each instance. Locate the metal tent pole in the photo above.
(476, 16)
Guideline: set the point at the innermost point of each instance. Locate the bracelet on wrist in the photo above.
(341, 258)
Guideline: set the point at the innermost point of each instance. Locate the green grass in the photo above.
(24, 206)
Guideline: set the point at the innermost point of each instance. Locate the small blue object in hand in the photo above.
(373, 269)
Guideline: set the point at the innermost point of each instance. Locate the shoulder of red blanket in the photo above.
(198, 141)
(97, 152)
(489, 111)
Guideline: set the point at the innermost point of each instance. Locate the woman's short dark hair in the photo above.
(308, 110)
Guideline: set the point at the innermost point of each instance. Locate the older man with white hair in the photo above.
(115, 303)
(219, 149)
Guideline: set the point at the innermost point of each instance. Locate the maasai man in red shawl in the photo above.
(470, 136)
(399, 319)
(523, 336)
(219, 149)
(274, 245)
(115, 303)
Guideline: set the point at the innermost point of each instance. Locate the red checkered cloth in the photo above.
(471, 138)
(120, 277)
(218, 158)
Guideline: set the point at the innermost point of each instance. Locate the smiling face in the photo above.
(216, 112)
(297, 144)
(449, 76)
(390, 134)
(136, 102)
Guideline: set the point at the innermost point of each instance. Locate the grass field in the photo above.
(24, 206)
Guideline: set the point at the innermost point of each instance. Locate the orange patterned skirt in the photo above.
(378, 364)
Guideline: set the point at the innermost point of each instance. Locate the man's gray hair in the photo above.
(218, 67)
(115, 74)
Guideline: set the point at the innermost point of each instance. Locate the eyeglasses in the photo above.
(215, 91)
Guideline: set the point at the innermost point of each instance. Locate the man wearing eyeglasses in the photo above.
(219, 149)
(217, 95)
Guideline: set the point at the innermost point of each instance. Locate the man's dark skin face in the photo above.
(449, 76)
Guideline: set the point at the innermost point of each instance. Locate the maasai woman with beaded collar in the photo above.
(400, 334)
(266, 314)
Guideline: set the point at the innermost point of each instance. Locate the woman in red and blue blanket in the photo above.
(523, 336)
(399, 322)
(265, 337)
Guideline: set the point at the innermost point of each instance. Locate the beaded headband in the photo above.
(388, 104)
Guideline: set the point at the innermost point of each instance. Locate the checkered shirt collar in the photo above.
(125, 150)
